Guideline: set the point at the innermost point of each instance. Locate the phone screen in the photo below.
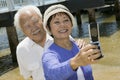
(94, 33)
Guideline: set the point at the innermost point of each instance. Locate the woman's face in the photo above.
(61, 25)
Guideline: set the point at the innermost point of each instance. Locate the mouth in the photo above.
(35, 32)
(63, 30)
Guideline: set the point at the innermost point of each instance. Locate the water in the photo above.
(4, 38)
(107, 25)
(106, 29)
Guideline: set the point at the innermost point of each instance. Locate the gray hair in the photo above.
(17, 15)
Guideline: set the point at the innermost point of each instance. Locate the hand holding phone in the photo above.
(94, 36)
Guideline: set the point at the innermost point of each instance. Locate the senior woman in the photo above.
(63, 60)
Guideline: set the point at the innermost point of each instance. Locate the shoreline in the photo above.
(4, 52)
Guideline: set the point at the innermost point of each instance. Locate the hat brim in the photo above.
(54, 12)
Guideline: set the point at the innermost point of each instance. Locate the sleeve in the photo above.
(38, 74)
(30, 63)
(22, 62)
(53, 69)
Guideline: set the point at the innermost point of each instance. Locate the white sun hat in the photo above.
(53, 10)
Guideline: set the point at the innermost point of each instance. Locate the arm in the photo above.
(53, 69)
(28, 66)
(22, 62)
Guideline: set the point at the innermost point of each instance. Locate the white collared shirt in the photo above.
(29, 56)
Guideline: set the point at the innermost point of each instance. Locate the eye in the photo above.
(57, 22)
(66, 20)
(34, 20)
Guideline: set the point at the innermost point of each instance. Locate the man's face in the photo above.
(32, 26)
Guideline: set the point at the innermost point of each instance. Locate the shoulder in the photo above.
(23, 46)
(49, 53)
(51, 50)
(25, 42)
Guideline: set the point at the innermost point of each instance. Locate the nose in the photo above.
(62, 24)
(34, 28)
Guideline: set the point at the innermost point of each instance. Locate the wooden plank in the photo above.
(117, 10)
(91, 15)
(13, 41)
(6, 19)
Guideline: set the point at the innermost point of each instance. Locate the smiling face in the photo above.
(32, 25)
(60, 25)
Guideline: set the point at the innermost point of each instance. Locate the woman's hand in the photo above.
(85, 56)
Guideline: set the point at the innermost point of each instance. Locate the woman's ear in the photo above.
(48, 29)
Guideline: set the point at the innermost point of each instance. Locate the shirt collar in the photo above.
(48, 37)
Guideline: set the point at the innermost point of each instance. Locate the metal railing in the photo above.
(3, 3)
(9, 5)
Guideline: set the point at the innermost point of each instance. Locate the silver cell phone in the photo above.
(94, 36)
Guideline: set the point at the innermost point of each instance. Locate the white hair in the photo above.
(23, 9)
